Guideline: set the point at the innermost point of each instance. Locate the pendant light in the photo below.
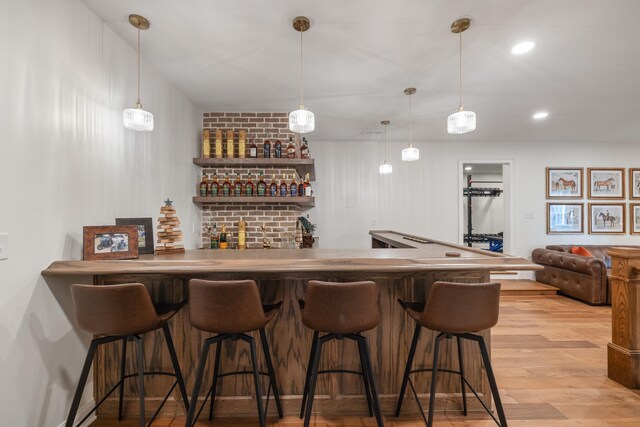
(301, 120)
(410, 153)
(461, 121)
(385, 168)
(136, 118)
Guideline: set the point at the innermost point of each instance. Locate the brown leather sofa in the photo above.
(582, 277)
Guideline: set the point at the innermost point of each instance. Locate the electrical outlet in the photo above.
(4, 245)
(374, 222)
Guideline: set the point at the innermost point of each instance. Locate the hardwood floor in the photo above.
(549, 356)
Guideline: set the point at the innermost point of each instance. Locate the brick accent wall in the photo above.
(278, 219)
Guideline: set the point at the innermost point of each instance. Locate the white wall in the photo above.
(66, 161)
(422, 197)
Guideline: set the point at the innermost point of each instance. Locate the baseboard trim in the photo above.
(82, 412)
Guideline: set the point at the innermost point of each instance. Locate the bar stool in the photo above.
(340, 310)
(122, 312)
(230, 309)
(454, 310)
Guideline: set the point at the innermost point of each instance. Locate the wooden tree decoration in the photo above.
(169, 233)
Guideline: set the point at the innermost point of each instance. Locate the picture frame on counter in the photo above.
(634, 183)
(109, 242)
(565, 218)
(607, 218)
(145, 233)
(606, 183)
(564, 183)
(634, 215)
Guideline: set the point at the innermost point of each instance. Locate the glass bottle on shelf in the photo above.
(291, 149)
(262, 186)
(226, 185)
(204, 186)
(248, 187)
(307, 186)
(214, 187)
(277, 149)
(293, 187)
(273, 187)
(223, 238)
(218, 144)
(304, 150)
(242, 143)
(237, 186)
(242, 234)
(253, 150)
(266, 149)
(301, 187)
(214, 237)
(230, 144)
(283, 187)
(206, 144)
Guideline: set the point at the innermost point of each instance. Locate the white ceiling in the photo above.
(359, 56)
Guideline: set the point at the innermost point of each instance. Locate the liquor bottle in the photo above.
(253, 150)
(307, 186)
(248, 187)
(230, 144)
(277, 150)
(226, 185)
(304, 150)
(223, 238)
(204, 186)
(293, 188)
(242, 234)
(206, 144)
(266, 149)
(237, 186)
(273, 187)
(214, 237)
(242, 142)
(262, 186)
(301, 188)
(283, 187)
(214, 187)
(218, 144)
(291, 149)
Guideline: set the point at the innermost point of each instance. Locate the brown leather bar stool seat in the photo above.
(231, 309)
(340, 311)
(122, 312)
(455, 310)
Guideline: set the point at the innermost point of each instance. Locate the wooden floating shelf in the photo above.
(304, 202)
(302, 166)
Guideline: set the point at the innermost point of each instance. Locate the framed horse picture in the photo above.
(606, 183)
(565, 218)
(607, 218)
(634, 184)
(634, 214)
(564, 183)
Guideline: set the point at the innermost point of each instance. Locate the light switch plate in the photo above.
(529, 215)
(4, 246)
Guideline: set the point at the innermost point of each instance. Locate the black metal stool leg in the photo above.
(362, 343)
(314, 348)
(140, 353)
(123, 365)
(198, 383)
(492, 381)
(88, 361)
(407, 369)
(216, 370)
(434, 378)
(365, 378)
(272, 375)
(256, 379)
(313, 378)
(176, 366)
(462, 385)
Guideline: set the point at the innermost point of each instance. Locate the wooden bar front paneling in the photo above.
(623, 352)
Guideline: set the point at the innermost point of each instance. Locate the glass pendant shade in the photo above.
(385, 169)
(461, 121)
(302, 121)
(410, 154)
(137, 119)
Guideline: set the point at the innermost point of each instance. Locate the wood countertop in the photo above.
(426, 257)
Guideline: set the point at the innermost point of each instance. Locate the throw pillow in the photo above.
(580, 250)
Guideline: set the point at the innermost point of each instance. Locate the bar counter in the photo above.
(402, 265)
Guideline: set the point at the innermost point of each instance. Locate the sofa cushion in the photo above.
(580, 250)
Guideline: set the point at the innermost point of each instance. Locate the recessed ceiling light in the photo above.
(468, 168)
(523, 47)
(540, 115)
